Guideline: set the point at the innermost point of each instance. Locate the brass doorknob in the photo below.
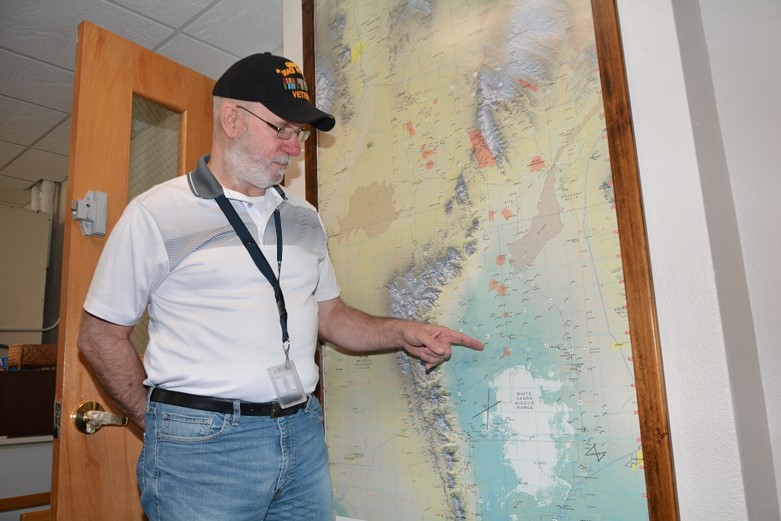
(89, 417)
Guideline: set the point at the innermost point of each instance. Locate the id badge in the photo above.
(287, 384)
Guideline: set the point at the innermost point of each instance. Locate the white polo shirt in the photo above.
(213, 321)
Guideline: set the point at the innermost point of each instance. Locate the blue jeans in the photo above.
(200, 465)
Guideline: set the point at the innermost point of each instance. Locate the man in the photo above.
(224, 392)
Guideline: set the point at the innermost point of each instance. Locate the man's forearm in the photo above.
(357, 331)
(115, 364)
(123, 378)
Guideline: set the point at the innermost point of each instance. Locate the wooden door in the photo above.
(93, 476)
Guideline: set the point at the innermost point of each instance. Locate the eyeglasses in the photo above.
(282, 133)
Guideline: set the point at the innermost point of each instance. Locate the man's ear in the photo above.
(229, 115)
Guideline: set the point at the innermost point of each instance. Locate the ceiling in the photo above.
(38, 55)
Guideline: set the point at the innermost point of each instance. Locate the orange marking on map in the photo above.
(482, 152)
(500, 260)
(429, 165)
(527, 85)
(410, 128)
(491, 215)
(424, 152)
(538, 163)
(507, 213)
(506, 352)
(495, 285)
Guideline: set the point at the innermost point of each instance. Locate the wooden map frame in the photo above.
(641, 304)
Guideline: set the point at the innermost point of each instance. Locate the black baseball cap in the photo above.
(278, 84)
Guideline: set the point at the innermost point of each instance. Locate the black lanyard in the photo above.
(260, 260)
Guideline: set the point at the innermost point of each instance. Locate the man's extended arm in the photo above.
(115, 363)
(357, 331)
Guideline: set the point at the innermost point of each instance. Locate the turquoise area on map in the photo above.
(591, 482)
(469, 376)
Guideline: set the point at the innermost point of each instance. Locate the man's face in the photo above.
(257, 155)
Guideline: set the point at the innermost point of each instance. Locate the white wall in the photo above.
(707, 128)
(293, 48)
(743, 41)
(24, 257)
(25, 468)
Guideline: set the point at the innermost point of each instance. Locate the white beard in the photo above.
(243, 166)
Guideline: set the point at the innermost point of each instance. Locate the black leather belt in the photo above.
(207, 403)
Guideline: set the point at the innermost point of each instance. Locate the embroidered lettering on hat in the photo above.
(296, 86)
(292, 68)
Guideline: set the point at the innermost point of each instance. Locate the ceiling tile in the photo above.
(58, 140)
(24, 123)
(8, 151)
(14, 192)
(240, 27)
(35, 82)
(47, 30)
(34, 165)
(171, 12)
(191, 53)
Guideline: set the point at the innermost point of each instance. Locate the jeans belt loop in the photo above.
(236, 412)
